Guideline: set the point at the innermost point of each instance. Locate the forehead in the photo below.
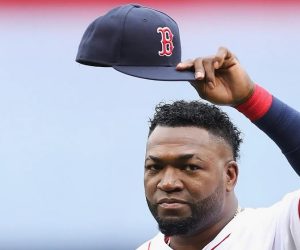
(182, 135)
(178, 140)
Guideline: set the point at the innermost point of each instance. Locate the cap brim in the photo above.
(158, 73)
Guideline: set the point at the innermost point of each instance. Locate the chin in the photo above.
(171, 226)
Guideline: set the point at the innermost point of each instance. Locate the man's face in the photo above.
(185, 178)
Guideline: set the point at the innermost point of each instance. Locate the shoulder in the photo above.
(266, 218)
(278, 217)
(292, 196)
(289, 207)
(290, 203)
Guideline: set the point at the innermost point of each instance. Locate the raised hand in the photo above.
(220, 78)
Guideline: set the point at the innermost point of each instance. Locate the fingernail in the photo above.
(211, 85)
(199, 75)
(216, 64)
(179, 65)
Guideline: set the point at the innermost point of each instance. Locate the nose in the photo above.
(170, 180)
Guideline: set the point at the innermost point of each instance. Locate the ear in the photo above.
(231, 174)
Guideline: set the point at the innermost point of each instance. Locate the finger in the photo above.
(187, 64)
(208, 65)
(199, 69)
(225, 59)
(220, 57)
(200, 88)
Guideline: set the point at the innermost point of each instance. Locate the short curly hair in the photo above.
(197, 114)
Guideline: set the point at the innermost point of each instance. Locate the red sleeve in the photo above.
(257, 105)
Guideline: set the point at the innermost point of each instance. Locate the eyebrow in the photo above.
(180, 157)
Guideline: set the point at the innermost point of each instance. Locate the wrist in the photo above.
(246, 98)
(257, 104)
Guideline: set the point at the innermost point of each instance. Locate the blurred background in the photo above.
(72, 137)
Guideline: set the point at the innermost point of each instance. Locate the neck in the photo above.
(200, 239)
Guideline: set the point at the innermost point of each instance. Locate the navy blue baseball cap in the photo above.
(135, 40)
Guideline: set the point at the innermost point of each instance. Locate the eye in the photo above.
(191, 167)
(153, 167)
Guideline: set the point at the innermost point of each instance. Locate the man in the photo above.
(190, 165)
(191, 168)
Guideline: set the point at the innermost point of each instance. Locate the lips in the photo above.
(171, 203)
(171, 200)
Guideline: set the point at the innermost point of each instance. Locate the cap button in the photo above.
(136, 5)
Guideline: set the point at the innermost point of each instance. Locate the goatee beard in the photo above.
(203, 214)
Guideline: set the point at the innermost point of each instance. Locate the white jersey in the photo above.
(273, 228)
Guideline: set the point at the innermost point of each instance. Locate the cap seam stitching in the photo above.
(122, 36)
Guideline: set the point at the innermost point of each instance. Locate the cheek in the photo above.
(197, 189)
(205, 185)
(149, 186)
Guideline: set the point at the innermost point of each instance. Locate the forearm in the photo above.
(279, 121)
